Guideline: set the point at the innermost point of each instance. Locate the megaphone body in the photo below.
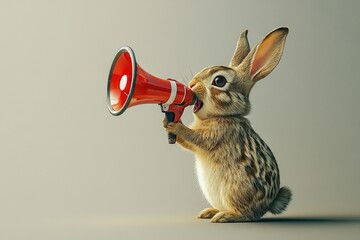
(130, 85)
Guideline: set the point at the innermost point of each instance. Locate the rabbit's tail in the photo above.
(281, 201)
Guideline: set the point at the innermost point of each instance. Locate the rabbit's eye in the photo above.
(219, 81)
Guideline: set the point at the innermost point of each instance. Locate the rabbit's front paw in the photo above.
(174, 128)
(164, 122)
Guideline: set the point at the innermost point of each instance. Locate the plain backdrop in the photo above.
(71, 170)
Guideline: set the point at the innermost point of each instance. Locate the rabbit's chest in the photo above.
(211, 184)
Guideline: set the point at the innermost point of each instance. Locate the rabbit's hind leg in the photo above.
(207, 213)
(228, 216)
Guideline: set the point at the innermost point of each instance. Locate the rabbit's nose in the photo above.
(192, 84)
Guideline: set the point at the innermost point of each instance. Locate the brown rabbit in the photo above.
(237, 171)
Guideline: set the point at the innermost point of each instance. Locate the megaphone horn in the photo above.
(130, 85)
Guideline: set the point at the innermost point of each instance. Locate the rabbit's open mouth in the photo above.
(198, 105)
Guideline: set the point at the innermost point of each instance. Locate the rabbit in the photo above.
(236, 170)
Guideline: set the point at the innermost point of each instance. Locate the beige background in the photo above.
(70, 170)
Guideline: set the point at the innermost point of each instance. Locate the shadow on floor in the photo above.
(313, 220)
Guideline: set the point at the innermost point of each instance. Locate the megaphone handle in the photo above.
(170, 117)
(173, 113)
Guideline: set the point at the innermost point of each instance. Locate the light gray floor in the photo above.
(182, 227)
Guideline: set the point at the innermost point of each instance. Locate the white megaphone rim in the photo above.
(133, 80)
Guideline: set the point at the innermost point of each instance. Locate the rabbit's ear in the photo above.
(264, 57)
(241, 51)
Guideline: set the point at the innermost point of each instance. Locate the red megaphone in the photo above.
(130, 85)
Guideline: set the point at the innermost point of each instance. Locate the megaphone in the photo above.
(130, 85)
